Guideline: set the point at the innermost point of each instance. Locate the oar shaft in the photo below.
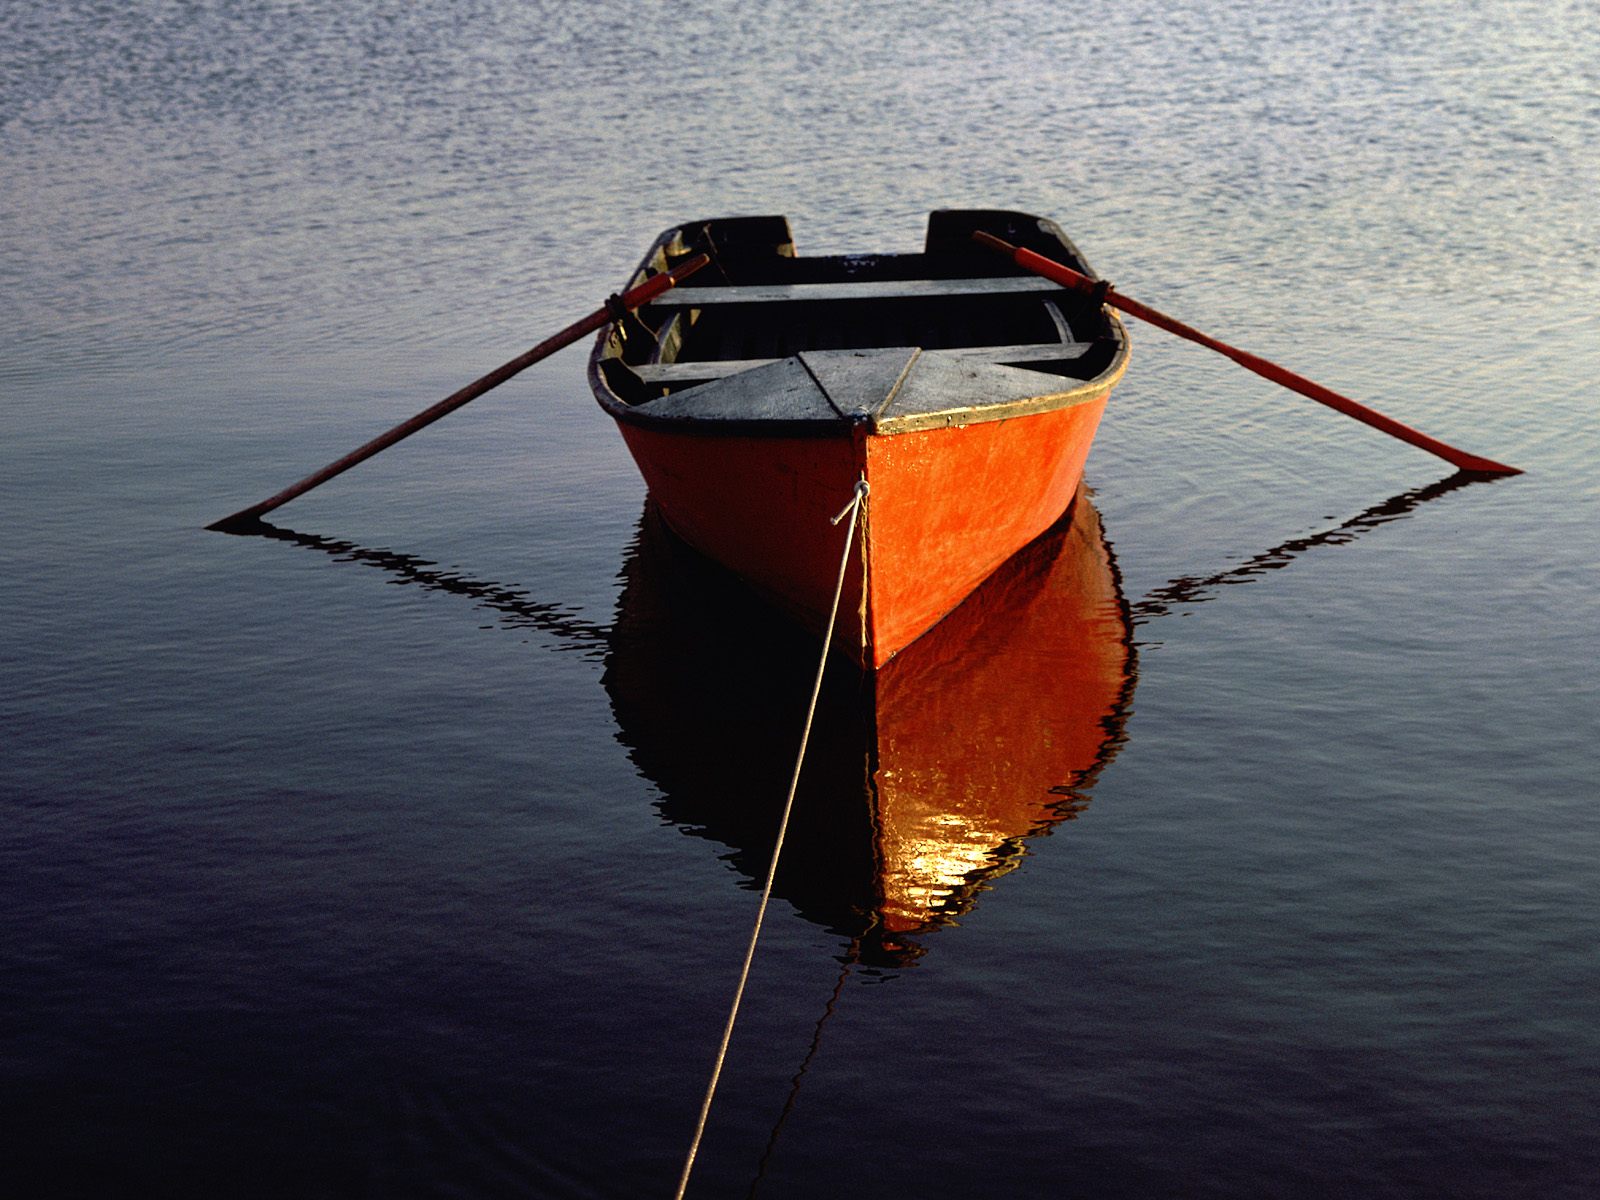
(1077, 281)
(641, 295)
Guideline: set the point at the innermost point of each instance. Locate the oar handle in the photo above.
(634, 298)
(1079, 282)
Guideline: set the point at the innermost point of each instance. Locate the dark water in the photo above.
(411, 852)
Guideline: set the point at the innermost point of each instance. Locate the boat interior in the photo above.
(759, 303)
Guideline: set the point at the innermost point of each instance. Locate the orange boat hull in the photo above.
(945, 508)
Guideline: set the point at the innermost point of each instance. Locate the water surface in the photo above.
(401, 855)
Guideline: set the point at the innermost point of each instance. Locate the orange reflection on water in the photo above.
(923, 782)
(989, 726)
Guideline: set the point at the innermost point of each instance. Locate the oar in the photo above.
(1069, 278)
(614, 308)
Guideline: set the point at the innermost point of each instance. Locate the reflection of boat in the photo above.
(964, 391)
(922, 781)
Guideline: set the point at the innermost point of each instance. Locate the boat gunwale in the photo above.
(1082, 392)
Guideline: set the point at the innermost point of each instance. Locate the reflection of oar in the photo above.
(516, 608)
(643, 294)
(1190, 589)
(1102, 291)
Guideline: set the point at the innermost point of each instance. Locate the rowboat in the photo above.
(925, 780)
(964, 391)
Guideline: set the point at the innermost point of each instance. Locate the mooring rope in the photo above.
(853, 511)
(850, 960)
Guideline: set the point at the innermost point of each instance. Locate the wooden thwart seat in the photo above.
(687, 372)
(889, 289)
